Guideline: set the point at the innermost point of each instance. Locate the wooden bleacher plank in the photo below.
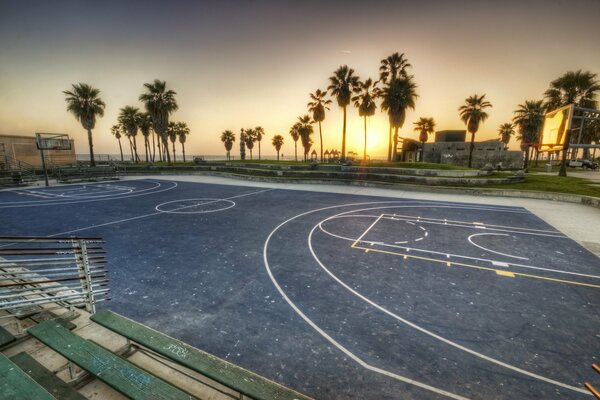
(230, 375)
(6, 337)
(106, 366)
(17, 385)
(45, 378)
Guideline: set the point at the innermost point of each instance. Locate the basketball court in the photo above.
(342, 296)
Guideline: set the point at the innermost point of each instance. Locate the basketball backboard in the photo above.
(52, 141)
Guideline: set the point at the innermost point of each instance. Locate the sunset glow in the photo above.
(244, 64)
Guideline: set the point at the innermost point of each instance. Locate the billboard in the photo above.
(554, 130)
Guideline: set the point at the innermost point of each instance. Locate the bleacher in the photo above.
(53, 344)
(80, 173)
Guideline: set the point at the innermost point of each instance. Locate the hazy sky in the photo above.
(241, 64)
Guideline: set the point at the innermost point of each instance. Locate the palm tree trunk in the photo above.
(166, 148)
(91, 144)
(390, 144)
(344, 137)
(130, 148)
(365, 150)
(147, 148)
(471, 147)
(121, 150)
(395, 148)
(321, 140)
(153, 146)
(137, 158)
(183, 150)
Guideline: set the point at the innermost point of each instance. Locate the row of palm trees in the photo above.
(84, 102)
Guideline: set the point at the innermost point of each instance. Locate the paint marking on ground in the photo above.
(505, 273)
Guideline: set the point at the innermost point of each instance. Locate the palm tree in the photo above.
(529, 118)
(295, 136)
(129, 118)
(259, 133)
(83, 102)
(574, 87)
(343, 84)
(242, 144)
(393, 67)
(182, 131)
(399, 95)
(425, 126)
(365, 102)
(250, 138)
(277, 143)
(172, 135)
(472, 114)
(145, 125)
(317, 107)
(160, 103)
(116, 131)
(305, 129)
(505, 131)
(227, 137)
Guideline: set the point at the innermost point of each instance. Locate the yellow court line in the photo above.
(499, 272)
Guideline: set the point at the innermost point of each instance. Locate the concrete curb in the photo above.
(527, 194)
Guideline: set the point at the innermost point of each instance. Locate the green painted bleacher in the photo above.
(17, 385)
(230, 375)
(116, 372)
(46, 378)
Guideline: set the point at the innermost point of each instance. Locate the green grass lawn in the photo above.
(553, 183)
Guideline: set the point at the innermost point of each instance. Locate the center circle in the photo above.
(195, 206)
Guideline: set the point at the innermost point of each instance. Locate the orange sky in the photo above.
(243, 64)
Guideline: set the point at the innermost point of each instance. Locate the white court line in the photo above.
(423, 330)
(61, 201)
(332, 340)
(447, 255)
(492, 251)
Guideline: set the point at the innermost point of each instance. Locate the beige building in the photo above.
(22, 148)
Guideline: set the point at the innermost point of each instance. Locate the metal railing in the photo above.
(54, 272)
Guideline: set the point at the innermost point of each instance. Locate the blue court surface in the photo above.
(342, 296)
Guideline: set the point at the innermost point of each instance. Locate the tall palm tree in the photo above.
(472, 114)
(398, 96)
(343, 84)
(250, 138)
(506, 131)
(295, 134)
(425, 126)
(84, 103)
(242, 144)
(160, 103)
(259, 132)
(129, 118)
(145, 125)
(182, 131)
(365, 102)
(172, 130)
(317, 107)
(305, 129)
(574, 87)
(277, 143)
(391, 68)
(116, 131)
(529, 118)
(227, 137)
